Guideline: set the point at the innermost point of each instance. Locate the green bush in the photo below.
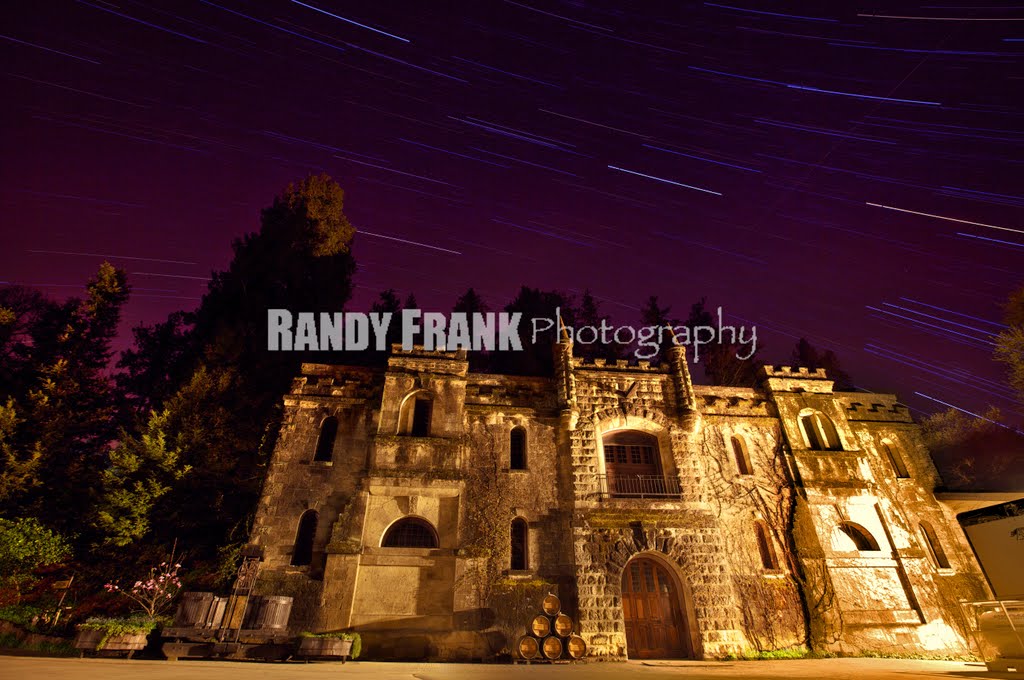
(113, 627)
(20, 614)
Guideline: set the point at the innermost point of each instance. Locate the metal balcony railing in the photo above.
(639, 486)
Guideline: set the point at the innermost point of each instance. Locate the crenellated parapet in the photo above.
(790, 379)
(884, 408)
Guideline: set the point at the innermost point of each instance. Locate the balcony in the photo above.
(639, 486)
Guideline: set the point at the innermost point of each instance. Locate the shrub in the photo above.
(357, 642)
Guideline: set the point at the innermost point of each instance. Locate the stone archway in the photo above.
(655, 616)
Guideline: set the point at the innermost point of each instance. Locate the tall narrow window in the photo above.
(517, 449)
(414, 420)
(410, 532)
(520, 556)
(931, 540)
(325, 442)
(769, 560)
(302, 553)
(739, 450)
(895, 458)
(820, 432)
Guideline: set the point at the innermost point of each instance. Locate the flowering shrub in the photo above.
(154, 594)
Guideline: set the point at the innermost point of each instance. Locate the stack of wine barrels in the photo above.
(550, 635)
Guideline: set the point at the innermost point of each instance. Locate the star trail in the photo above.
(849, 173)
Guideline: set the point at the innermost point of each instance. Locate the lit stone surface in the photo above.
(844, 561)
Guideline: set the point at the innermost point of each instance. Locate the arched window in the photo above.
(769, 560)
(325, 442)
(931, 540)
(414, 420)
(820, 432)
(895, 458)
(850, 536)
(410, 532)
(302, 553)
(517, 449)
(739, 450)
(520, 549)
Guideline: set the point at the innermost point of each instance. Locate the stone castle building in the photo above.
(430, 508)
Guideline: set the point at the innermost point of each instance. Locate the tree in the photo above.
(1010, 343)
(652, 314)
(536, 357)
(26, 545)
(66, 416)
(974, 453)
(17, 467)
(141, 469)
(722, 366)
(388, 303)
(470, 303)
(589, 314)
(220, 407)
(805, 355)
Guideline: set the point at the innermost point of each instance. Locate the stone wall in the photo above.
(802, 584)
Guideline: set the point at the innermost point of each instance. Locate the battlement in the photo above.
(875, 407)
(726, 401)
(640, 365)
(789, 372)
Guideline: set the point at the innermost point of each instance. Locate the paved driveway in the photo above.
(25, 668)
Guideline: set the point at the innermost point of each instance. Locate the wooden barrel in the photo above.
(575, 647)
(563, 625)
(193, 609)
(528, 647)
(551, 604)
(541, 626)
(268, 612)
(552, 647)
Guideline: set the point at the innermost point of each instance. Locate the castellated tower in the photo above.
(430, 508)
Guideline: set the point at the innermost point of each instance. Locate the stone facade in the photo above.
(783, 516)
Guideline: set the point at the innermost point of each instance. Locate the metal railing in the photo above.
(639, 486)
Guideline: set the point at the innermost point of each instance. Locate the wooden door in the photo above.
(655, 625)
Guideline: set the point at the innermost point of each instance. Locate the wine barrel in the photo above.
(268, 612)
(193, 609)
(551, 604)
(541, 626)
(563, 625)
(528, 647)
(552, 647)
(575, 647)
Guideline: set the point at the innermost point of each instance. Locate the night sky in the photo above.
(773, 158)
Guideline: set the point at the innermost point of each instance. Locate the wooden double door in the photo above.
(656, 627)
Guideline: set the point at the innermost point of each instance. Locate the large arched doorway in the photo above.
(656, 627)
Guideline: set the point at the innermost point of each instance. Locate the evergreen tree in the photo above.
(722, 366)
(470, 303)
(221, 409)
(805, 355)
(652, 314)
(59, 430)
(589, 314)
(536, 357)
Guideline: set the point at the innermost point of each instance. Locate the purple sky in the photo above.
(686, 150)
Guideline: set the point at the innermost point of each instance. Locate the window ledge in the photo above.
(321, 463)
(516, 470)
(946, 571)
